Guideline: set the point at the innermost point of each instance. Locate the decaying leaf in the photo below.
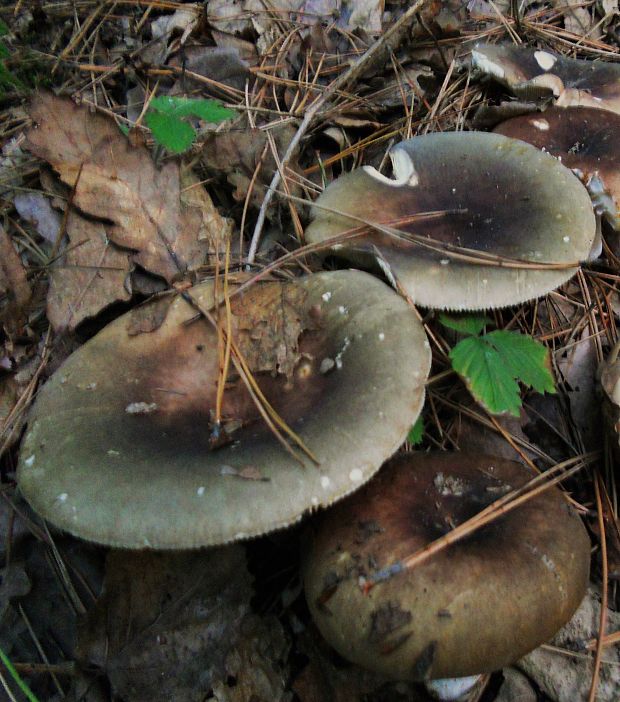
(140, 206)
(175, 613)
(269, 319)
(91, 275)
(238, 154)
(14, 288)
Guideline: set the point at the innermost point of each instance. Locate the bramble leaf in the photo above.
(167, 116)
(527, 358)
(469, 324)
(416, 432)
(492, 364)
(486, 375)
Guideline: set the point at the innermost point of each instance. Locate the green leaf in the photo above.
(416, 432)
(492, 364)
(487, 377)
(177, 136)
(527, 359)
(4, 28)
(166, 118)
(471, 324)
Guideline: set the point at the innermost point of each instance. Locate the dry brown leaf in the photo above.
(237, 155)
(14, 287)
(120, 184)
(269, 318)
(91, 275)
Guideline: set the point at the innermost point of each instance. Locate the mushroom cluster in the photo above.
(135, 458)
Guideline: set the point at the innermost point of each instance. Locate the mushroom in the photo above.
(473, 607)
(533, 73)
(586, 140)
(482, 192)
(118, 447)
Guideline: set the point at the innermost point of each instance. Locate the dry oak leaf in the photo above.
(91, 275)
(141, 205)
(14, 286)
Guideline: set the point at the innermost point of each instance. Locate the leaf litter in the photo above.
(128, 217)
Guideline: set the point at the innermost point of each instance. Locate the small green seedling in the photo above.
(493, 363)
(414, 437)
(167, 118)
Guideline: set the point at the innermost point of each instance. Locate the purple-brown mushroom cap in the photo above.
(533, 73)
(476, 606)
(494, 195)
(586, 140)
(118, 448)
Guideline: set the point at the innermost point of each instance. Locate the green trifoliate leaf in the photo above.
(492, 364)
(416, 432)
(466, 324)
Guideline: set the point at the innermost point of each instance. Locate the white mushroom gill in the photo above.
(402, 165)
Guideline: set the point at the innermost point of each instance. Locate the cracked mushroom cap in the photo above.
(500, 196)
(586, 140)
(533, 73)
(478, 605)
(117, 449)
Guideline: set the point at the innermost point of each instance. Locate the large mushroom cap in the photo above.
(502, 197)
(533, 73)
(476, 606)
(586, 140)
(118, 444)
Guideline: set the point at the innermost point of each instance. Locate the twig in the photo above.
(392, 37)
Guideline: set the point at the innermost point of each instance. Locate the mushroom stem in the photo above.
(452, 689)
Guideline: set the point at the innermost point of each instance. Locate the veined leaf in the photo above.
(492, 364)
(527, 358)
(486, 375)
(467, 324)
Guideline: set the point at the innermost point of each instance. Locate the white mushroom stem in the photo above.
(452, 689)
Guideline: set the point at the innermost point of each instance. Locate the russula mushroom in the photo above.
(473, 607)
(490, 194)
(586, 140)
(533, 73)
(118, 445)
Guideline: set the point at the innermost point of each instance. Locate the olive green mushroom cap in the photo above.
(533, 73)
(499, 196)
(586, 140)
(475, 606)
(117, 449)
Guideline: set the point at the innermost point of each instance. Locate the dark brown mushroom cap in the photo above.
(533, 73)
(502, 197)
(586, 140)
(117, 449)
(476, 606)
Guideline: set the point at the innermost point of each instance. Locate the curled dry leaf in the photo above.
(140, 205)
